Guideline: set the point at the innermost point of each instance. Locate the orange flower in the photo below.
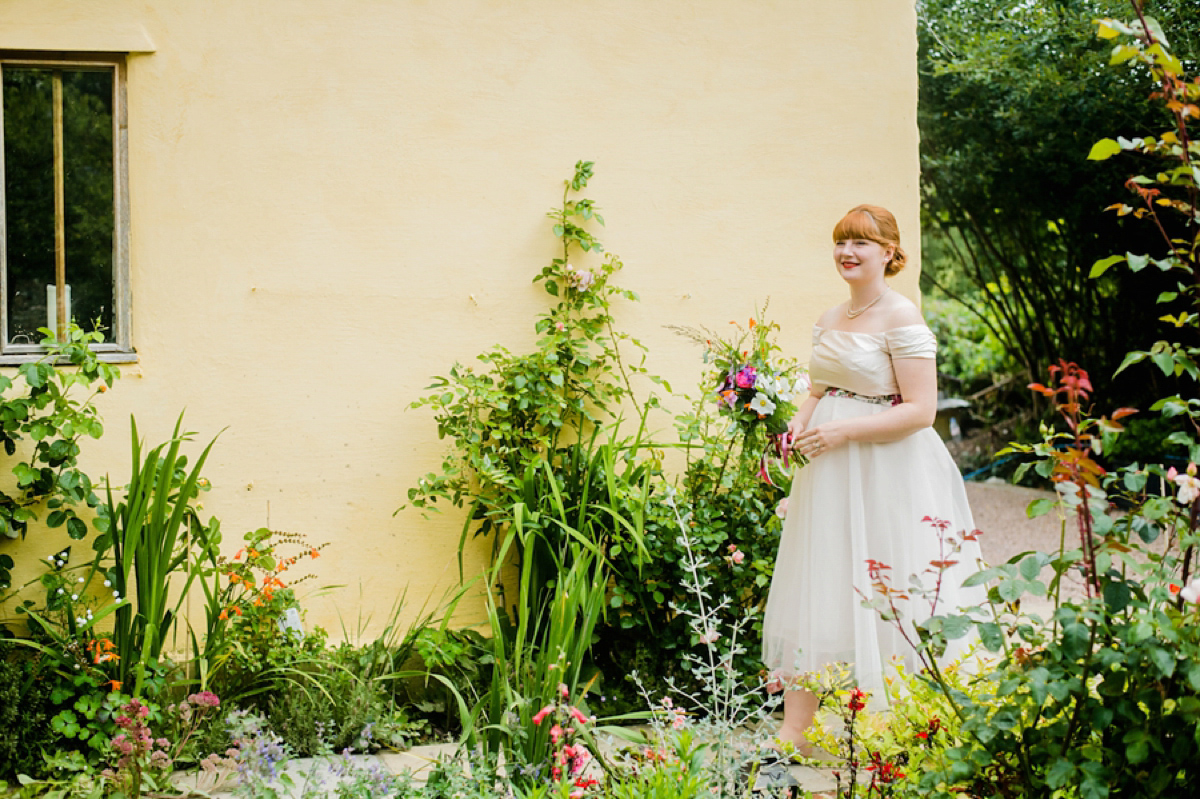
(315, 553)
(114, 685)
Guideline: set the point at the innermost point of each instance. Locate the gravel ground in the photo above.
(1000, 513)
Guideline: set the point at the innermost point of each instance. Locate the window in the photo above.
(64, 207)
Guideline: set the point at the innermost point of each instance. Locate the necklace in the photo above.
(852, 314)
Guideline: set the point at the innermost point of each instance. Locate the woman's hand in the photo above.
(820, 439)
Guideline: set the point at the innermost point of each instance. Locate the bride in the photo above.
(877, 469)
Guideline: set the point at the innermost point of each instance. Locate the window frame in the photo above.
(120, 349)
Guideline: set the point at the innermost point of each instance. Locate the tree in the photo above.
(1012, 95)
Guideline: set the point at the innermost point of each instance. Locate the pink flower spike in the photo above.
(541, 714)
(578, 715)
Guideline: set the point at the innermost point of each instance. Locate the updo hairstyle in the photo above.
(874, 224)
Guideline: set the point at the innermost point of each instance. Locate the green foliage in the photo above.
(675, 770)
(153, 534)
(543, 432)
(520, 411)
(25, 711)
(540, 660)
(1168, 198)
(42, 420)
(1012, 94)
(247, 646)
(324, 707)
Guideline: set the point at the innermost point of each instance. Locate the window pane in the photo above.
(88, 159)
(29, 194)
(29, 199)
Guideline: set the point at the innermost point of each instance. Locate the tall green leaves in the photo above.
(153, 535)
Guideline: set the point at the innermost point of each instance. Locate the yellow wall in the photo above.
(334, 200)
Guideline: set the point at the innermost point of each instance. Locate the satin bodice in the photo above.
(862, 362)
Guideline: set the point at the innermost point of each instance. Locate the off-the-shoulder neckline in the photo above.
(868, 333)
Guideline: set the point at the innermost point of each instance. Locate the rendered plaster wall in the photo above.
(334, 200)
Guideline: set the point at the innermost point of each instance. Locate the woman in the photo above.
(876, 470)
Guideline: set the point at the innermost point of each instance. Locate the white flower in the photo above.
(1191, 592)
(1189, 485)
(108, 583)
(74, 597)
(761, 405)
(80, 580)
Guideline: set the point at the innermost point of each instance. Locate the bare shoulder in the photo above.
(830, 317)
(900, 311)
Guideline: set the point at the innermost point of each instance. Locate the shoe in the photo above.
(775, 776)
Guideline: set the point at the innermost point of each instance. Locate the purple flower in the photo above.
(745, 378)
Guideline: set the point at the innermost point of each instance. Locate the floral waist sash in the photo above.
(887, 399)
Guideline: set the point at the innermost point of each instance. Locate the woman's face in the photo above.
(861, 259)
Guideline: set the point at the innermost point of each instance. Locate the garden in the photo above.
(632, 532)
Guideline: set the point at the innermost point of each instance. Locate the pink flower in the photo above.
(578, 715)
(580, 279)
(555, 733)
(1189, 485)
(678, 722)
(541, 714)
(559, 326)
(745, 377)
(1191, 592)
(205, 699)
(781, 508)
(562, 690)
(709, 636)
(736, 556)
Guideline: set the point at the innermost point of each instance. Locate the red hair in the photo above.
(876, 224)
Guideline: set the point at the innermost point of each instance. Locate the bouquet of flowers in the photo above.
(753, 385)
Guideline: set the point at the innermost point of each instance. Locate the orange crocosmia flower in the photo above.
(239, 554)
(224, 615)
(315, 553)
(114, 685)
(1174, 589)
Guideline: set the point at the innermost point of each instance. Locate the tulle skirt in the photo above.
(861, 502)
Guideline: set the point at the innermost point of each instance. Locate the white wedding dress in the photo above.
(864, 501)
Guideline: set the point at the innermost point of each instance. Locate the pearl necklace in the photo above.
(852, 314)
